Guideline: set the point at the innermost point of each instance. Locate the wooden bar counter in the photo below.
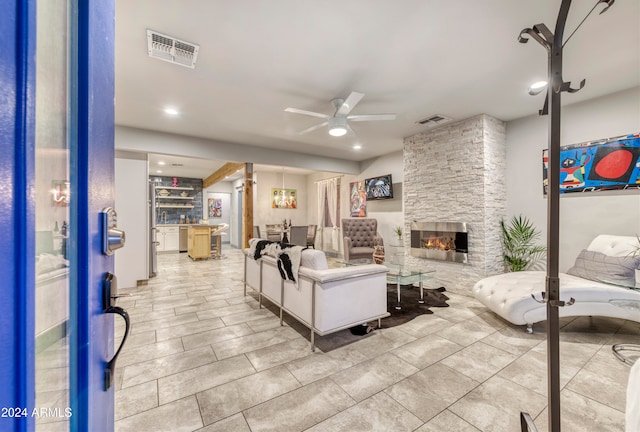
(199, 241)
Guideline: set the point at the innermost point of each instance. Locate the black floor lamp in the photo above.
(554, 44)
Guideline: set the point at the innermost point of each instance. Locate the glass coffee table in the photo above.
(405, 276)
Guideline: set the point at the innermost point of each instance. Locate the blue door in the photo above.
(56, 175)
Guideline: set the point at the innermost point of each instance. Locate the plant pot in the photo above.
(378, 255)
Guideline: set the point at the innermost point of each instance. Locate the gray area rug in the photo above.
(411, 308)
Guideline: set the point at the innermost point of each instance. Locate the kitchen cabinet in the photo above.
(168, 239)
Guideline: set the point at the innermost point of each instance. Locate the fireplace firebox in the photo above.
(444, 241)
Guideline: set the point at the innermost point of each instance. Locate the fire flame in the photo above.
(442, 243)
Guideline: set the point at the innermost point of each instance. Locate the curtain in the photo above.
(322, 189)
(332, 203)
(328, 206)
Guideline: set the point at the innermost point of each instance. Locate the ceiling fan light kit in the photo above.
(338, 122)
(337, 126)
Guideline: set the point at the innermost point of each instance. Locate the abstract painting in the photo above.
(358, 199)
(215, 207)
(607, 164)
(284, 198)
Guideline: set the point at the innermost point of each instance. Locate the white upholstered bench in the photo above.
(509, 295)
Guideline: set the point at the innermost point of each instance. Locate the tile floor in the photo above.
(203, 357)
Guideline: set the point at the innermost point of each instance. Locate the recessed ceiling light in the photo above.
(537, 87)
(357, 147)
(158, 171)
(161, 163)
(171, 111)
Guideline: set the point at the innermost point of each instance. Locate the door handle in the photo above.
(109, 298)
(112, 237)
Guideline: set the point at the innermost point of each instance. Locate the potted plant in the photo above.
(398, 231)
(519, 244)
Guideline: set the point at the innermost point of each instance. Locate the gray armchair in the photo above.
(360, 236)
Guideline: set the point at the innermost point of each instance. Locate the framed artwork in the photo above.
(284, 198)
(607, 164)
(358, 199)
(215, 207)
(60, 193)
(380, 187)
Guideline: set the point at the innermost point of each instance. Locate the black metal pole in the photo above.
(554, 44)
(554, 92)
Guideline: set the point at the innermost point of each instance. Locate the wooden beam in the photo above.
(247, 205)
(224, 171)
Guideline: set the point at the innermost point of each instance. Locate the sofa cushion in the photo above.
(596, 266)
(314, 259)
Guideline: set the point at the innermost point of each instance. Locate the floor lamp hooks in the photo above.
(553, 44)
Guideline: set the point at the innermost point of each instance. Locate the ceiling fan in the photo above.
(338, 122)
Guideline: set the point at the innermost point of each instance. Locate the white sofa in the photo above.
(325, 299)
(510, 295)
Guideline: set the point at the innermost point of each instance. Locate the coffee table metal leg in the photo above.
(398, 307)
(421, 294)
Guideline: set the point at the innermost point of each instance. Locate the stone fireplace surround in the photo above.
(456, 173)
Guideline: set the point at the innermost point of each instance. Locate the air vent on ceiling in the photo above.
(434, 120)
(171, 50)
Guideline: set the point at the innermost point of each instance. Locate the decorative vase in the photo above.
(378, 254)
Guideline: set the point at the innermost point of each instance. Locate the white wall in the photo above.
(264, 214)
(582, 216)
(389, 213)
(224, 191)
(131, 190)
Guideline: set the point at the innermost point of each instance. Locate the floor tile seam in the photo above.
(576, 391)
(118, 340)
(199, 331)
(227, 315)
(135, 321)
(457, 343)
(241, 411)
(477, 383)
(161, 308)
(617, 333)
(498, 348)
(174, 373)
(200, 410)
(354, 403)
(593, 400)
(149, 409)
(159, 406)
(461, 418)
(159, 357)
(215, 307)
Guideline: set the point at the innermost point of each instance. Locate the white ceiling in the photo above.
(177, 166)
(415, 58)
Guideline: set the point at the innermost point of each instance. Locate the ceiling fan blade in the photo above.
(349, 103)
(350, 131)
(304, 112)
(371, 117)
(312, 128)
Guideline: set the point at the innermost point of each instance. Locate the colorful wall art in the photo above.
(215, 207)
(284, 198)
(358, 199)
(607, 164)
